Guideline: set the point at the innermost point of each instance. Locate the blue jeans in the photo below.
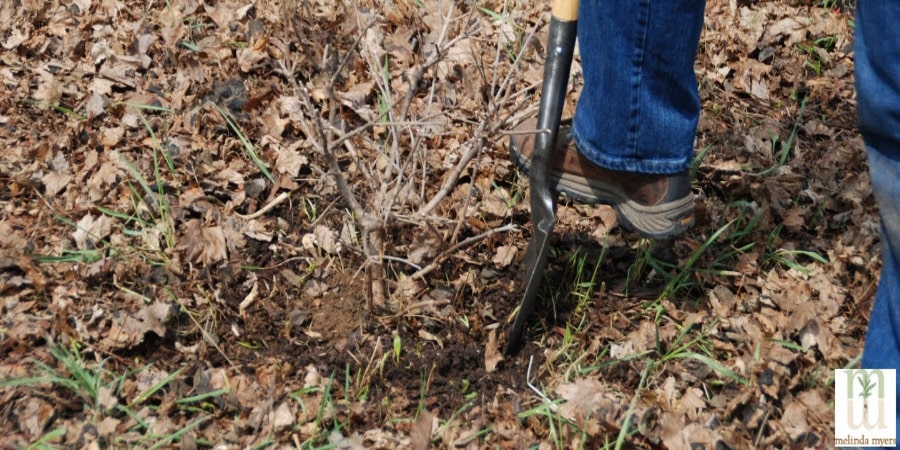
(639, 107)
(877, 70)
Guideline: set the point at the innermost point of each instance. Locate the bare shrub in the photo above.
(401, 122)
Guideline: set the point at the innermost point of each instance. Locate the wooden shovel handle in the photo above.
(565, 10)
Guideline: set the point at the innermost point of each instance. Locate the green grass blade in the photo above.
(19, 382)
(115, 214)
(87, 382)
(137, 176)
(716, 366)
(58, 108)
(629, 414)
(201, 397)
(155, 388)
(157, 149)
(77, 256)
(790, 345)
(787, 145)
(178, 434)
(143, 106)
(676, 283)
(41, 443)
(248, 147)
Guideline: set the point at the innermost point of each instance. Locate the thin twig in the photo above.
(453, 179)
(553, 406)
(402, 260)
(348, 57)
(417, 306)
(446, 253)
(275, 202)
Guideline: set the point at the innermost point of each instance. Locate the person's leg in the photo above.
(882, 346)
(637, 115)
(877, 70)
(639, 108)
(877, 64)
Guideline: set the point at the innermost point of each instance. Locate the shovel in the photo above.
(560, 48)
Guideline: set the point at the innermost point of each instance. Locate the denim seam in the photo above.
(637, 77)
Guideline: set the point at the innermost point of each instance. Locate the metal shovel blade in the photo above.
(560, 49)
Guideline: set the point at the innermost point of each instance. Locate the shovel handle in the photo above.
(565, 10)
(557, 66)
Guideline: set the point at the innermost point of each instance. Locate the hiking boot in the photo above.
(656, 206)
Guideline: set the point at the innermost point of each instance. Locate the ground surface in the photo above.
(294, 224)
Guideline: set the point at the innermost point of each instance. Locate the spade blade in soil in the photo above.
(560, 48)
(537, 258)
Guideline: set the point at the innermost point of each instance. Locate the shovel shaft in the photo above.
(560, 51)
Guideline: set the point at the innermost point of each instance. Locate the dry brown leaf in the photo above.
(794, 419)
(260, 230)
(495, 203)
(795, 218)
(579, 396)
(128, 330)
(637, 341)
(408, 287)
(421, 431)
(104, 178)
(108, 427)
(222, 13)
(202, 243)
(792, 29)
(620, 351)
(142, 44)
(423, 334)
(829, 345)
(55, 182)
(322, 239)
(48, 90)
(422, 249)
(801, 316)
(282, 417)
(592, 404)
(747, 328)
(96, 105)
(91, 230)
(692, 403)
(605, 221)
(679, 434)
(751, 25)
(505, 254)
(106, 398)
(172, 28)
(250, 56)
(34, 415)
(750, 77)
(372, 45)
(288, 160)
(356, 97)
(492, 353)
(353, 442)
(273, 124)
(16, 38)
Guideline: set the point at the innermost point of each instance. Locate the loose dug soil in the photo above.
(294, 224)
